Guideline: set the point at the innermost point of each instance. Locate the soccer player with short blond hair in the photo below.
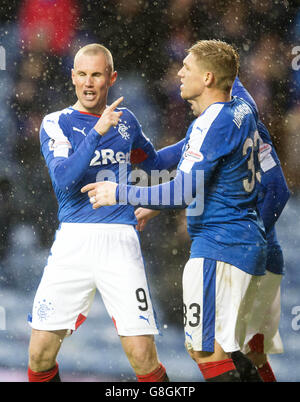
(228, 250)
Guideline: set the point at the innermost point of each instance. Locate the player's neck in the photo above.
(214, 96)
(96, 110)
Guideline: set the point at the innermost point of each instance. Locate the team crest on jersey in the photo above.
(44, 309)
(122, 129)
(193, 156)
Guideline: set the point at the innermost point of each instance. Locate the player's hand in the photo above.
(143, 215)
(109, 118)
(102, 193)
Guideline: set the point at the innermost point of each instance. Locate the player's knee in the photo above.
(41, 359)
(143, 358)
(200, 357)
(43, 349)
(197, 356)
(41, 363)
(190, 352)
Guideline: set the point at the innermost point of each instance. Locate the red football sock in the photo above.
(157, 375)
(214, 369)
(257, 343)
(42, 376)
(266, 373)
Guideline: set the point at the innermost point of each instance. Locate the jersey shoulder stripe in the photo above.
(202, 125)
(199, 131)
(51, 128)
(51, 123)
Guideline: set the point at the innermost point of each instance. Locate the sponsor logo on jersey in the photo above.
(106, 156)
(199, 129)
(80, 131)
(142, 317)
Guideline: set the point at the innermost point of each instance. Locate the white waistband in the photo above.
(92, 226)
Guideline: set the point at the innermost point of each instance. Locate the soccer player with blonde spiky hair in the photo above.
(228, 252)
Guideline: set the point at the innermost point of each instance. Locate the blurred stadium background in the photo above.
(148, 41)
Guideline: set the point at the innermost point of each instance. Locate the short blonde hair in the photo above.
(220, 58)
(96, 48)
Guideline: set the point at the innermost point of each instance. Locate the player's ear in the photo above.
(113, 78)
(208, 78)
(73, 75)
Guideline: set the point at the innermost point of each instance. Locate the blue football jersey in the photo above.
(223, 142)
(77, 155)
(268, 160)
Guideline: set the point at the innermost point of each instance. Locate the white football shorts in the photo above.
(264, 322)
(218, 300)
(88, 256)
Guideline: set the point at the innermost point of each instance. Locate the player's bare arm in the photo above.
(109, 117)
(102, 193)
(143, 215)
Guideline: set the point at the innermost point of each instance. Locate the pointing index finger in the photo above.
(116, 103)
(88, 187)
